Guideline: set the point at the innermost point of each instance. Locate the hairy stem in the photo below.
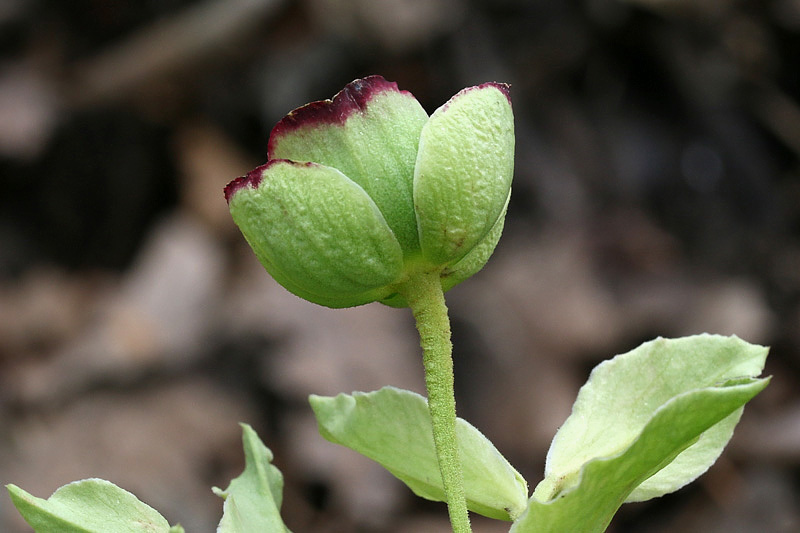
(423, 292)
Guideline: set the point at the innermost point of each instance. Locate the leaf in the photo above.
(89, 506)
(646, 423)
(603, 484)
(393, 427)
(253, 500)
(622, 394)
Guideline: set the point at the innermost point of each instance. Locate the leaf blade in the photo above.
(392, 427)
(623, 393)
(253, 500)
(88, 506)
(604, 483)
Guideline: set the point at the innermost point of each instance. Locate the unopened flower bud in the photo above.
(361, 190)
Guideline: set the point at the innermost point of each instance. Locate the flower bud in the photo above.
(363, 189)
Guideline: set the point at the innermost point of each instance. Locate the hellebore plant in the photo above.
(365, 198)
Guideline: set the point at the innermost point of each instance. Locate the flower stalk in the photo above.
(423, 292)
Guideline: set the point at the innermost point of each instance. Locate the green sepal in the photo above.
(467, 266)
(475, 260)
(89, 506)
(393, 427)
(317, 233)
(463, 173)
(253, 500)
(369, 131)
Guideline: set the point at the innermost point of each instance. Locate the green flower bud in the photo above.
(361, 190)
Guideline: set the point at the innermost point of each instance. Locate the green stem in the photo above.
(423, 292)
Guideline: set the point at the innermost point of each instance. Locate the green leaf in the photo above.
(253, 500)
(463, 172)
(594, 494)
(646, 423)
(89, 506)
(624, 393)
(393, 427)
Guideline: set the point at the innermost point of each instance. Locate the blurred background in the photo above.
(656, 193)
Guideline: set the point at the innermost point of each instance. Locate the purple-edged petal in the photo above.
(369, 131)
(463, 172)
(316, 232)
